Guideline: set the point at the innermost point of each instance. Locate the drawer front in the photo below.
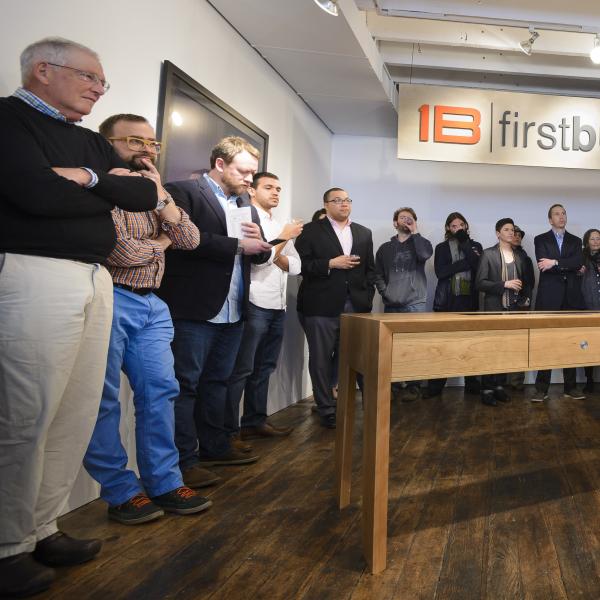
(564, 347)
(451, 354)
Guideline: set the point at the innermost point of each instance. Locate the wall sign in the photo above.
(507, 128)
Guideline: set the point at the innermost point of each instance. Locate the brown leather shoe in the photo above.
(22, 576)
(232, 457)
(237, 444)
(60, 549)
(197, 477)
(266, 430)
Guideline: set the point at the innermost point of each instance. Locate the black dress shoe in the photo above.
(60, 550)
(501, 395)
(21, 576)
(328, 421)
(487, 397)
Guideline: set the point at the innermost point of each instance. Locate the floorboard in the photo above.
(485, 503)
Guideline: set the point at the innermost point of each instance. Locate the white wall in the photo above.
(133, 38)
(379, 183)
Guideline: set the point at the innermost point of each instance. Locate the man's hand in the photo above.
(164, 240)
(254, 245)
(252, 231)
(545, 264)
(78, 175)
(344, 262)
(123, 172)
(290, 231)
(513, 284)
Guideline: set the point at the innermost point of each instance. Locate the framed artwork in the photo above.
(191, 120)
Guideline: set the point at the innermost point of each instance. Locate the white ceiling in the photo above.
(345, 67)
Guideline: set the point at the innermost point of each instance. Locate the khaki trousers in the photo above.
(55, 320)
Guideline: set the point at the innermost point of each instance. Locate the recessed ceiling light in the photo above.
(329, 6)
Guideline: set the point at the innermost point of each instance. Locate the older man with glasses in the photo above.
(338, 274)
(59, 185)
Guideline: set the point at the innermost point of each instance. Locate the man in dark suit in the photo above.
(207, 292)
(338, 273)
(559, 257)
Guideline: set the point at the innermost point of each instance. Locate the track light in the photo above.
(329, 6)
(527, 45)
(595, 52)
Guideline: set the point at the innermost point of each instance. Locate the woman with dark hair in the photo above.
(590, 285)
(455, 263)
(500, 277)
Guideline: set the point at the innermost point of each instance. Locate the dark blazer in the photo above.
(196, 282)
(560, 287)
(323, 292)
(489, 277)
(445, 269)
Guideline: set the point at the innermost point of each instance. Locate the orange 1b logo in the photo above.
(440, 122)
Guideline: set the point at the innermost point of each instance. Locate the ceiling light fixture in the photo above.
(329, 6)
(528, 44)
(595, 52)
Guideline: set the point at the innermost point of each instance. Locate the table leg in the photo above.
(345, 427)
(376, 449)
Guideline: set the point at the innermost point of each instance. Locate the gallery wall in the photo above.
(133, 38)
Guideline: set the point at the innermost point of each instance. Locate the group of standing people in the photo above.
(104, 270)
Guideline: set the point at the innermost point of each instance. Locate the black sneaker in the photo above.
(139, 509)
(183, 501)
(328, 421)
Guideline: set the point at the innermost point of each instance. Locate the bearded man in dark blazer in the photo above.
(207, 292)
(338, 273)
(559, 257)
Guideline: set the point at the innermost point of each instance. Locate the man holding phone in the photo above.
(400, 274)
(338, 273)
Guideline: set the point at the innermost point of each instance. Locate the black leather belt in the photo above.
(138, 291)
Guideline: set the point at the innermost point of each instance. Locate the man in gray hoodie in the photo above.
(400, 274)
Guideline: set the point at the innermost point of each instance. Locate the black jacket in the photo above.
(196, 282)
(323, 292)
(559, 287)
(445, 269)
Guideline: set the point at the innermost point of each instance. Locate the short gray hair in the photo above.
(50, 49)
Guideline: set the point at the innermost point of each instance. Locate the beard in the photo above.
(136, 164)
(234, 187)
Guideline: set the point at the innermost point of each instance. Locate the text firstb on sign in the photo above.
(507, 128)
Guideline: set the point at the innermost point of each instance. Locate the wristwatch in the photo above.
(162, 203)
(240, 248)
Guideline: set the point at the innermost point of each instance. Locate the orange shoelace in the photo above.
(140, 500)
(186, 492)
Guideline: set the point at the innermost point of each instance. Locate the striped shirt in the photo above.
(138, 260)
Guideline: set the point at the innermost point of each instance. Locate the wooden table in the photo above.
(407, 346)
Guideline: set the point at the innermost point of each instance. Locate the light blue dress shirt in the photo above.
(231, 311)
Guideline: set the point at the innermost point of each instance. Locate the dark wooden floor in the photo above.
(484, 503)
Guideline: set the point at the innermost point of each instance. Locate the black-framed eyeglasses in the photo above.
(341, 200)
(85, 76)
(137, 144)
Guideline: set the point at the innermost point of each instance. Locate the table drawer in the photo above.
(557, 347)
(451, 354)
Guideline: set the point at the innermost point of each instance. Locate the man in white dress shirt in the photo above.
(263, 329)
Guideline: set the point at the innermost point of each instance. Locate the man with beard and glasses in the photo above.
(140, 345)
(400, 276)
(207, 292)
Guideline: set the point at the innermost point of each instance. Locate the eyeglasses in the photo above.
(341, 200)
(85, 76)
(137, 144)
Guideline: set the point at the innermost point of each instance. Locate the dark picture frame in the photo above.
(191, 120)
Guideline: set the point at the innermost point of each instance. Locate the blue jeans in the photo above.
(205, 355)
(256, 360)
(140, 345)
(411, 308)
